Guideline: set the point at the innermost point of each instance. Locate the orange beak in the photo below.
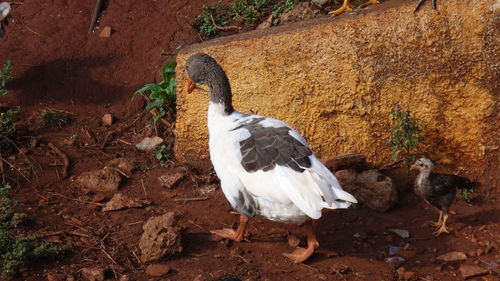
(190, 85)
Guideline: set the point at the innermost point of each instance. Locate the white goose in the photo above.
(265, 167)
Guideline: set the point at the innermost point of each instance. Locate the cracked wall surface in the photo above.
(335, 80)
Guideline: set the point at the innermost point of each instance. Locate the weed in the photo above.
(5, 77)
(465, 194)
(8, 127)
(248, 12)
(218, 13)
(51, 118)
(406, 134)
(161, 95)
(160, 153)
(17, 251)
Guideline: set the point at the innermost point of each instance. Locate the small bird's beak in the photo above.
(190, 85)
(414, 167)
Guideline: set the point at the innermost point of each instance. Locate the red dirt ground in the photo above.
(58, 65)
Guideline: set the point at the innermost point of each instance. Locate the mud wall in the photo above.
(336, 80)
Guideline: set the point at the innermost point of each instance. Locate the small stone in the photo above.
(107, 119)
(395, 261)
(70, 278)
(407, 254)
(170, 181)
(480, 252)
(207, 189)
(322, 277)
(121, 201)
(122, 164)
(99, 197)
(161, 237)
(93, 274)
(106, 32)
(124, 278)
(53, 277)
(293, 241)
(401, 232)
(149, 144)
(102, 180)
(469, 271)
(157, 269)
(405, 275)
(452, 256)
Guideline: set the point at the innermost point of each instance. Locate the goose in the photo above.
(438, 190)
(265, 167)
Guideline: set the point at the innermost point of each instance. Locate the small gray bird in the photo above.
(439, 190)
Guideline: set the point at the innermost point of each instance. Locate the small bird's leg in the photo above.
(439, 222)
(420, 2)
(301, 254)
(346, 7)
(442, 228)
(230, 234)
(368, 3)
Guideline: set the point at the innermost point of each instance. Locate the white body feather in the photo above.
(280, 194)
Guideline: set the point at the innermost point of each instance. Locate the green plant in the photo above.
(251, 11)
(17, 251)
(218, 13)
(281, 8)
(5, 77)
(161, 95)
(465, 194)
(8, 127)
(53, 118)
(406, 135)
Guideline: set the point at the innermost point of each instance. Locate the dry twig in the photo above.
(190, 199)
(63, 156)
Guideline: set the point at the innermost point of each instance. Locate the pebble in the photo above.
(469, 271)
(452, 256)
(157, 269)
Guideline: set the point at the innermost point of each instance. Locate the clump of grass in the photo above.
(465, 194)
(161, 96)
(51, 118)
(248, 12)
(406, 135)
(5, 77)
(8, 127)
(18, 251)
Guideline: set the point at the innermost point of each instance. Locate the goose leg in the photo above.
(368, 3)
(230, 234)
(346, 7)
(301, 254)
(420, 2)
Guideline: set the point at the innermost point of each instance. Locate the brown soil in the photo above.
(58, 65)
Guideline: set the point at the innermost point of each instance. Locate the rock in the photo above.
(207, 189)
(170, 180)
(266, 24)
(107, 119)
(407, 254)
(347, 161)
(161, 237)
(93, 274)
(405, 275)
(106, 32)
(149, 144)
(121, 164)
(301, 11)
(452, 256)
(103, 180)
(401, 232)
(370, 188)
(157, 269)
(53, 277)
(293, 241)
(395, 261)
(469, 271)
(121, 201)
(124, 278)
